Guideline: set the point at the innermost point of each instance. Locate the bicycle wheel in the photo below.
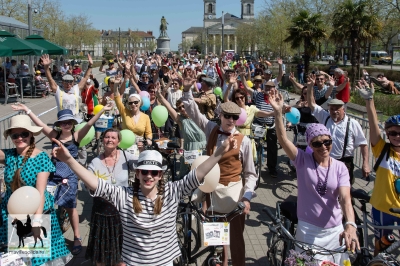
(277, 252)
(188, 236)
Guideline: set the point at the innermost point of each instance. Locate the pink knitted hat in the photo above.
(315, 130)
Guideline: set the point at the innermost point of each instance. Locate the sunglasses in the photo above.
(68, 81)
(65, 123)
(23, 135)
(180, 107)
(318, 144)
(151, 91)
(145, 77)
(234, 117)
(134, 102)
(258, 81)
(239, 98)
(393, 134)
(320, 79)
(153, 172)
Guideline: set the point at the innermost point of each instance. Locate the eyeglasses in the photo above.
(145, 77)
(234, 117)
(393, 134)
(68, 81)
(318, 144)
(320, 79)
(65, 123)
(239, 98)
(153, 172)
(180, 107)
(258, 81)
(134, 102)
(151, 91)
(23, 135)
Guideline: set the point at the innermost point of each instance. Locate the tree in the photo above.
(352, 22)
(306, 29)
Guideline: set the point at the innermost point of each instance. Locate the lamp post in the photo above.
(222, 48)
(30, 32)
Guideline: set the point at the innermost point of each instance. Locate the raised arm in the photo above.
(280, 73)
(276, 101)
(46, 63)
(101, 68)
(310, 92)
(48, 131)
(247, 87)
(191, 107)
(295, 84)
(82, 83)
(164, 102)
(343, 85)
(367, 93)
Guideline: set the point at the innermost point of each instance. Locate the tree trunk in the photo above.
(306, 56)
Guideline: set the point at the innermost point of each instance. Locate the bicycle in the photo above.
(258, 134)
(283, 241)
(364, 256)
(187, 235)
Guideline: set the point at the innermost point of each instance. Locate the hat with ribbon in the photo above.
(150, 160)
(22, 121)
(66, 114)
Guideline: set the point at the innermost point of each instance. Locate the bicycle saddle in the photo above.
(173, 145)
(360, 194)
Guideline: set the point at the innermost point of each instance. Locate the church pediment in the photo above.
(228, 25)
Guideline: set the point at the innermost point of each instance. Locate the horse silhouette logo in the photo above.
(25, 230)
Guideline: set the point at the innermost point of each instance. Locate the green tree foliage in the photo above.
(306, 30)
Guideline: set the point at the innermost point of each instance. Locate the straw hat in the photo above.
(22, 121)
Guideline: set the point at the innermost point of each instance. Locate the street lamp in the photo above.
(29, 17)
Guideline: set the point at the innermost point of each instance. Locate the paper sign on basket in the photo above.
(259, 132)
(190, 156)
(216, 234)
(301, 139)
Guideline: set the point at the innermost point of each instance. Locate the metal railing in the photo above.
(358, 160)
(5, 123)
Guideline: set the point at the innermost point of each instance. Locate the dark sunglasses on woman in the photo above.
(134, 102)
(23, 135)
(153, 172)
(318, 144)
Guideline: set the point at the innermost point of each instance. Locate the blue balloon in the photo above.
(146, 104)
(293, 116)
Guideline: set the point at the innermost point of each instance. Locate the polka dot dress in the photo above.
(33, 166)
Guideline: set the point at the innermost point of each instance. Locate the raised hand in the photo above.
(291, 76)
(229, 144)
(366, 92)
(19, 107)
(46, 61)
(188, 83)
(233, 78)
(331, 81)
(276, 100)
(280, 62)
(108, 106)
(89, 58)
(60, 152)
(311, 81)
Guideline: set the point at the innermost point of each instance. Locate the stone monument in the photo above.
(163, 42)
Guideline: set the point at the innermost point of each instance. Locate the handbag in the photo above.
(224, 199)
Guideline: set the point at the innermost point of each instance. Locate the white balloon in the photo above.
(211, 180)
(23, 201)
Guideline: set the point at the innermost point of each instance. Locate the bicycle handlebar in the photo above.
(237, 210)
(395, 210)
(274, 219)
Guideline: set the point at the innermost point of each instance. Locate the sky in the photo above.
(145, 15)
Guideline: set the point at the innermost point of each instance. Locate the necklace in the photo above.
(113, 180)
(322, 186)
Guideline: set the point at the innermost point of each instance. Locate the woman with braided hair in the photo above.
(25, 165)
(148, 210)
(65, 194)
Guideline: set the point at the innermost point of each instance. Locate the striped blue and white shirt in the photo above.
(263, 106)
(148, 239)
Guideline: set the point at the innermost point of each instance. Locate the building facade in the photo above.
(128, 41)
(210, 34)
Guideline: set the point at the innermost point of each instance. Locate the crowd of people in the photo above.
(136, 224)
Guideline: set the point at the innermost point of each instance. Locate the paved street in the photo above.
(256, 234)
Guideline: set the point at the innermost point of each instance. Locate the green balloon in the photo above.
(89, 136)
(217, 91)
(127, 139)
(159, 115)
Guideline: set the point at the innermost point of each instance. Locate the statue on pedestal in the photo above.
(163, 27)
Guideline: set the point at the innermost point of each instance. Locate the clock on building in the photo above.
(209, 16)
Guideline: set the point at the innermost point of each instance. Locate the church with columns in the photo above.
(211, 33)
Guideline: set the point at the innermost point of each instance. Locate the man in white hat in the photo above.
(346, 133)
(67, 97)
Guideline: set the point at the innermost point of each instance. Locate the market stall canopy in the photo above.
(5, 51)
(52, 48)
(20, 46)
